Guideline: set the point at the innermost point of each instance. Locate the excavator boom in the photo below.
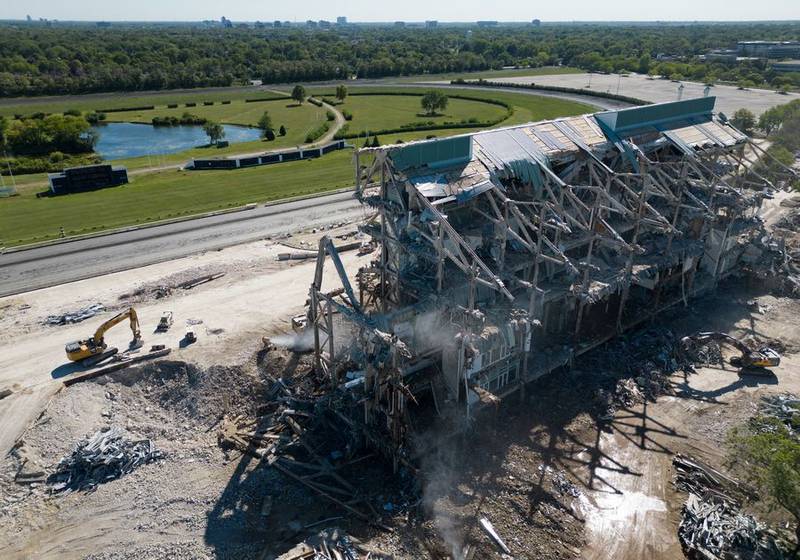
(764, 357)
(130, 313)
(93, 350)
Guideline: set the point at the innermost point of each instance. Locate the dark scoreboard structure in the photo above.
(87, 178)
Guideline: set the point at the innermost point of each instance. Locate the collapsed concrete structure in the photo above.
(506, 253)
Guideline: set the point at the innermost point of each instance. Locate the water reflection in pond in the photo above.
(125, 140)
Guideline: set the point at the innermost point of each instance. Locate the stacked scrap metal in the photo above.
(712, 527)
(75, 316)
(329, 544)
(784, 408)
(715, 529)
(105, 456)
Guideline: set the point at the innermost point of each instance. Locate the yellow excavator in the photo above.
(753, 360)
(94, 350)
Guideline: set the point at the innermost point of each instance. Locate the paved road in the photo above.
(66, 262)
(599, 103)
(729, 98)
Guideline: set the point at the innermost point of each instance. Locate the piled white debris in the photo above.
(75, 316)
(785, 408)
(712, 526)
(105, 456)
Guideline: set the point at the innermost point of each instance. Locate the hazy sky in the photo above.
(410, 10)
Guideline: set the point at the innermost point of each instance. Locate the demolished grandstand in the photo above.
(504, 254)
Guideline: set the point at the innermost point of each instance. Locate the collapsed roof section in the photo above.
(506, 252)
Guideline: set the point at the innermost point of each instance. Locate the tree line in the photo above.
(42, 134)
(38, 60)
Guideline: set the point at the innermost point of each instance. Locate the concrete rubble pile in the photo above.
(714, 529)
(785, 408)
(712, 526)
(303, 433)
(75, 316)
(645, 361)
(330, 544)
(105, 456)
(775, 257)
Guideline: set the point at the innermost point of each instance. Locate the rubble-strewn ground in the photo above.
(554, 478)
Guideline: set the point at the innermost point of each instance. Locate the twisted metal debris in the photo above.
(105, 456)
(712, 527)
(785, 408)
(75, 316)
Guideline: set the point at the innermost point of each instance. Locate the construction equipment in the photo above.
(764, 357)
(191, 336)
(165, 322)
(94, 350)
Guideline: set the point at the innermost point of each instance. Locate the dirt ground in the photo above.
(555, 479)
(257, 296)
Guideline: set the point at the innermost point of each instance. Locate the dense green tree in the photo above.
(770, 119)
(79, 58)
(299, 93)
(771, 454)
(282, 130)
(434, 100)
(744, 120)
(265, 124)
(341, 92)
(215, 131)
(54, 132)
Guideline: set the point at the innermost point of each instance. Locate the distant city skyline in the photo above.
(410, 10)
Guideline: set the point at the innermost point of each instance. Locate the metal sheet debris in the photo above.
(712, 527)
(105, 456)
(75, 316)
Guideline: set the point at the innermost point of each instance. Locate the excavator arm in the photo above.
(130, 313)
(764, 357)
(93, 350)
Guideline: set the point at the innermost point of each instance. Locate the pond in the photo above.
(125, 140)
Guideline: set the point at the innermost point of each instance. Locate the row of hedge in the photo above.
(123, 109)
(318, 132)
(272, 98)
(559, 89)
(185, 119)
(189, 104)
(316, 102)
(52, 163)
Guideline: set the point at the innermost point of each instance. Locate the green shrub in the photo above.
(123, 109)
(317, 133)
